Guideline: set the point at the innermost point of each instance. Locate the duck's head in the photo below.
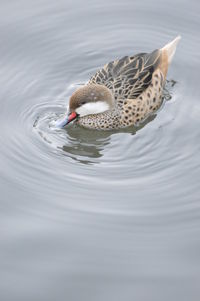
(89, 99)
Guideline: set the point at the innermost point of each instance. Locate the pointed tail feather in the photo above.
(170, 48)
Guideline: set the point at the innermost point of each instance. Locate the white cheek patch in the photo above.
(92, 108)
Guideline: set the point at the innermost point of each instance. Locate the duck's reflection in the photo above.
(86, 145)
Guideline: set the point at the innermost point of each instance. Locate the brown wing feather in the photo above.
(128, 77)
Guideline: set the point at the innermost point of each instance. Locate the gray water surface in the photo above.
(88, 215)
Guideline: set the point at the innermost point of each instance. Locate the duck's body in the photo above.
(124, 92)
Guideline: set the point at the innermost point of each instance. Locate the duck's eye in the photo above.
(83, 102)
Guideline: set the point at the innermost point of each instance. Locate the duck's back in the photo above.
(129, 76)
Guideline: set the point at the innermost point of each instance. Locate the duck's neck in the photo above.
(107, 120)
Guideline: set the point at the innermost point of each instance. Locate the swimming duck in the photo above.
(123, 93)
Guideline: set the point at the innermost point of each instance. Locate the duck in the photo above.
(124, 93)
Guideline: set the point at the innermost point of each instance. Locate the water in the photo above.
(87, 215)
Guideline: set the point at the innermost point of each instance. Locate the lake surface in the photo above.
(86, 215)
